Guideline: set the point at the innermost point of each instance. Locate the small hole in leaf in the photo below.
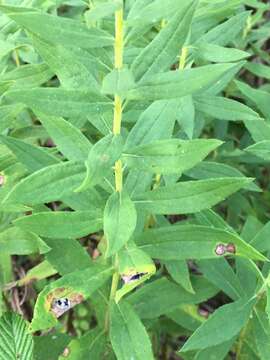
(220, 249)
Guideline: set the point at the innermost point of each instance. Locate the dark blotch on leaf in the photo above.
(230, 248)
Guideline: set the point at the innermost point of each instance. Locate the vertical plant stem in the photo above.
(117, 119)
(183, 58)
(118, 64)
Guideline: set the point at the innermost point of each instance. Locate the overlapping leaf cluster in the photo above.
(123, 123)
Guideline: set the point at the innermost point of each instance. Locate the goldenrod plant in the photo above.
(134, 180)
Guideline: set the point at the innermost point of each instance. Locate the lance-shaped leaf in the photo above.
(147, 12)
(176, 84)
(226, 32)
(48, 184)
(157, 297)
(212, 169)
(128, 335)
(90, 345)
(223, 325)
(38, 272)
(169, 156)
(60, 260)
(33, 157)
(120, 218)
(161, 53)
(260, 149)
(28, 75)
(56, 29)
(101, 158)
(8, 113)
(258, 97)
(61, 224)
(135, 267)
(179, 271)
(190, 196)
(193, 241)
(61, 102)
(72, 289)
(224, 109)
(77, 69)
(101, 10)
(15, 340)
(16, 241)
(261, 333)
(216, 53)
(69, 139)
(155, 123)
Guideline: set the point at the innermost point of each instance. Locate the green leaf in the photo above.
(128, 336)
(118, 81)
(176, 84)
(186, 115)
(190, 196)
(220, 273)
(33, 157)
(99, 11)
(223, 325)
(61, 102)
(224, 109)
(60, 224)
(261, 333)
(260, 149)
(90, 345)
(16, 241)
(180, 242)
(155, 123)
(258, 69)
(56, 342)
(69, 139)
(212, 169)
(28, 76)
(120, 220)
(101, 159)
(67, 255)
(159, 296)
(169, 156)
(133, 261)
(15, 340)
(57, 30)
(38, 272)
(178, 269)
(186, 316)
(216, 53)
(76, 287)
(258, 97)
(226, 32)
(48, 184)
(7, 115)
(162, 52)
(77, 69)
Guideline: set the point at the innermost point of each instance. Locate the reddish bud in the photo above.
(230, 248)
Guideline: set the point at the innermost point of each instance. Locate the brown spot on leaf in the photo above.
(230, 248)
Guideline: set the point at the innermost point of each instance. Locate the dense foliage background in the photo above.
(134, 179)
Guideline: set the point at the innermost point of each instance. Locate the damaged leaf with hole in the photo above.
(135, 267)
(63, 294)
